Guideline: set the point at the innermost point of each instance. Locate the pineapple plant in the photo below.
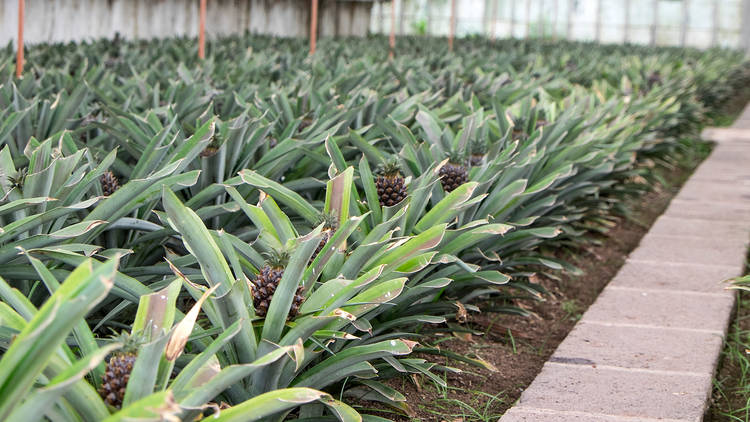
(118, 370)
(478, 149)
(454, 173)
(109, 183)
(211, 149)
(267, 281)
(17, 181)
(390, 184)
(330, 225)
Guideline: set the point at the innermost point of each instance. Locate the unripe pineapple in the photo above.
(330, 225)
(478, 151)
(390, 185)
(109, 183)
(265, 284)
(17, 181)
(211, 149)
(304, 124)
(118, 370)
(453, 174)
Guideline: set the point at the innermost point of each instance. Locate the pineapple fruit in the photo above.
(478, 151)
(118, 370)
(109, 183)
(330, 225)
(453, 174)
(265, 284)
(390, 184)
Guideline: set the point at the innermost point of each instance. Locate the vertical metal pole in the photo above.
(655, 23)
(453, 25)
(555, 19)
(381, 20)
(202, 31)
(685, 22)
(314, 26)
(401, 17)
(626, 30)
(542, 25)
(428, 13)
(493, 26)
(19, 55)
(598, 20)
(716, 23)
(528, 18)
(569, 28)
(392, 41)
(745, 32)
(512, 18)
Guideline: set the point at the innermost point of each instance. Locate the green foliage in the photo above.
(223, 162)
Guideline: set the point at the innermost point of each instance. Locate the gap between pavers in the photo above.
(647, 349)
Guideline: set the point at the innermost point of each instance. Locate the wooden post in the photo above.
(655, 23)
(202, 31)
(453, 25)
(19, 55)
(392, 41)
(685, 22)
(313, 26)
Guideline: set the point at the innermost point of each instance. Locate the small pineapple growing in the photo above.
(390, 184)
(478, 149)
(118, 370)
(330, 225)
(453, 174)
(265, 284)
(17, 181)
(304, 124)
(211, 149)
(109, 183)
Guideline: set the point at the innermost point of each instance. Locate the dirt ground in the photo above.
(518, 346)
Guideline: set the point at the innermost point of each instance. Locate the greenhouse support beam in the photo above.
(313, 26)
(202, 31)
(19, 55)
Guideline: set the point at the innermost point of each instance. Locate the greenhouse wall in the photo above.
(68, 20)
(697, 23)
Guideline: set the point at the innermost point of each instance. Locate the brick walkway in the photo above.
(647, 349)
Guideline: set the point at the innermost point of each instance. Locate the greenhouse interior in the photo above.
(353, 210)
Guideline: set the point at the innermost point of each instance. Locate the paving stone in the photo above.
(640, 348)
(704, 190)
(697, 311)
(668, 225)
(713, 211)
(675, 277)
(680, 249)
(628, 393)
(721, 172)
(523, 414)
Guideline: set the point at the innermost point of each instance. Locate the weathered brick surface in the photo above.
(675, 276)
(661, 309)
(522, 414)
(640, 348)
(618, 392)
(712, 211)
(680, 249)
(701, 228)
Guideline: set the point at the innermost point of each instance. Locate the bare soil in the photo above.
(518, 346)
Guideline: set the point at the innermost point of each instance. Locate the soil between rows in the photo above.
(518, 346)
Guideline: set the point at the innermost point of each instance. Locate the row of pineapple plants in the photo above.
(271, 235)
